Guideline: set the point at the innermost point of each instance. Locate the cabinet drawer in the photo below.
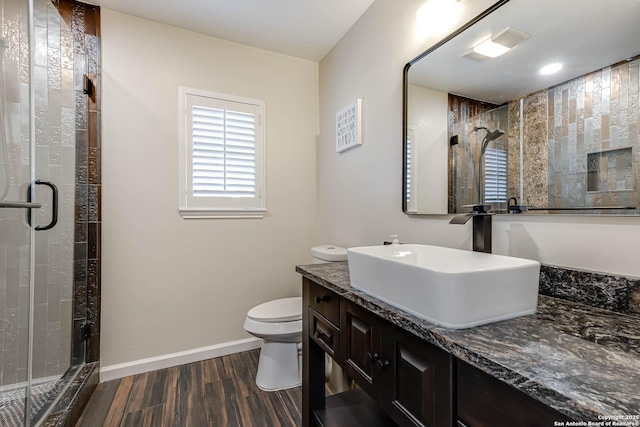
(324, 333)
(486, 401)
(325, 302)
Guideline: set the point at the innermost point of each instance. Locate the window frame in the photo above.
(190, 206)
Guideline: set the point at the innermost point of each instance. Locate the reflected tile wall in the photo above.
(463, 115)
(595, 116)
(535, 182)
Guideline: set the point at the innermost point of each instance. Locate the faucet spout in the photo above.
(462, 218)
(482, 229)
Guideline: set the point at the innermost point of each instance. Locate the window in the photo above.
(222, 162)
(495, 175)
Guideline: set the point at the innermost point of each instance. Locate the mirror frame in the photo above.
(405, 93)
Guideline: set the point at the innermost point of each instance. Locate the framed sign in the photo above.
(349, 126)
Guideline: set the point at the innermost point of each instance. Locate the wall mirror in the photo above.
(484, 123)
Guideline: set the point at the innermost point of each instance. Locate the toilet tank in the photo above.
(328, 253)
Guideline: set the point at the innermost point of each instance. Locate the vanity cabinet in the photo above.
(484, 401)
(402, 379)
(408, 377)
(360, 340)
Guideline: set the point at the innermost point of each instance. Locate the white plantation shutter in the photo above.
(223, 156)
(495, 175)
(224, 153)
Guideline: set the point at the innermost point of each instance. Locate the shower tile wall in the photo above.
(534, 150)
(14, 234)
(463, 115)
(84, 45)
(595, 117)
(55, 161)
(67, 257)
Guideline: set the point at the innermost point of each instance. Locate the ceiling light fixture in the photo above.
(490, 49)
(550, 69)
(498, 45)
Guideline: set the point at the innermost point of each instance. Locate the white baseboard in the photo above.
(141, 366)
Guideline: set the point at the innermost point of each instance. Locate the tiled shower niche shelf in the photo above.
(610, 170)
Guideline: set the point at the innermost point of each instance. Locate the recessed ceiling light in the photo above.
(490, 49)
(550, 69)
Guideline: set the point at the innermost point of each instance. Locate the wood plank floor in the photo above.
(215, 392)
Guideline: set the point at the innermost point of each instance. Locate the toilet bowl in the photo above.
(279, 324)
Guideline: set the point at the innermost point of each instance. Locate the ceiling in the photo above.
(302, 28)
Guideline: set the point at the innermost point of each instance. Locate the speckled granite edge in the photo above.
(580, 360)
(610, 292)
(67, 411)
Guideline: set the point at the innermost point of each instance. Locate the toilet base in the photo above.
(278, 367)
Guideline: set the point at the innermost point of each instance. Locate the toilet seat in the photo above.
(276, 311)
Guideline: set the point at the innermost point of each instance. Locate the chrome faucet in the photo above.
(481, 226)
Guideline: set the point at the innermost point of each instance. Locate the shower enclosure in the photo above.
(42, 223)
(478, 153)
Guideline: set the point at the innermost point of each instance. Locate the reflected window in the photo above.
(495, 175)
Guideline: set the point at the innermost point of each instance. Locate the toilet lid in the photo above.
(280, 310)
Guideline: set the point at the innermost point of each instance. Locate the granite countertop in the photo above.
(580, 360)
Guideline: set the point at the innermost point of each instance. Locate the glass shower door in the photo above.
(16, 244)
(55, 173)
(38, 355)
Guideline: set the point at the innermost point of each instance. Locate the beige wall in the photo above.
(173, 285)
(427, 117)
(359, 191)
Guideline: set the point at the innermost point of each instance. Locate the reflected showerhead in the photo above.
(493, 135)
(490, 136)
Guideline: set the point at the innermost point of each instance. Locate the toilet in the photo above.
(279, 324)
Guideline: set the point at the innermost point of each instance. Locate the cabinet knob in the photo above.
(382, 364)
(318, 300)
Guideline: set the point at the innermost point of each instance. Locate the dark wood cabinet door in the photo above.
(484, 401)
(360, 345)
(416, 383)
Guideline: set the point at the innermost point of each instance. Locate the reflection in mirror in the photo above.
(477, 154)
(488, 130)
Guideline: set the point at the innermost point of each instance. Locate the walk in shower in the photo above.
(47, 82)
(478, 154)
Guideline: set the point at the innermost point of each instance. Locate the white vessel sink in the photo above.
(451, 287)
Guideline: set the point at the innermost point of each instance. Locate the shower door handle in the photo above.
(54, 206)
